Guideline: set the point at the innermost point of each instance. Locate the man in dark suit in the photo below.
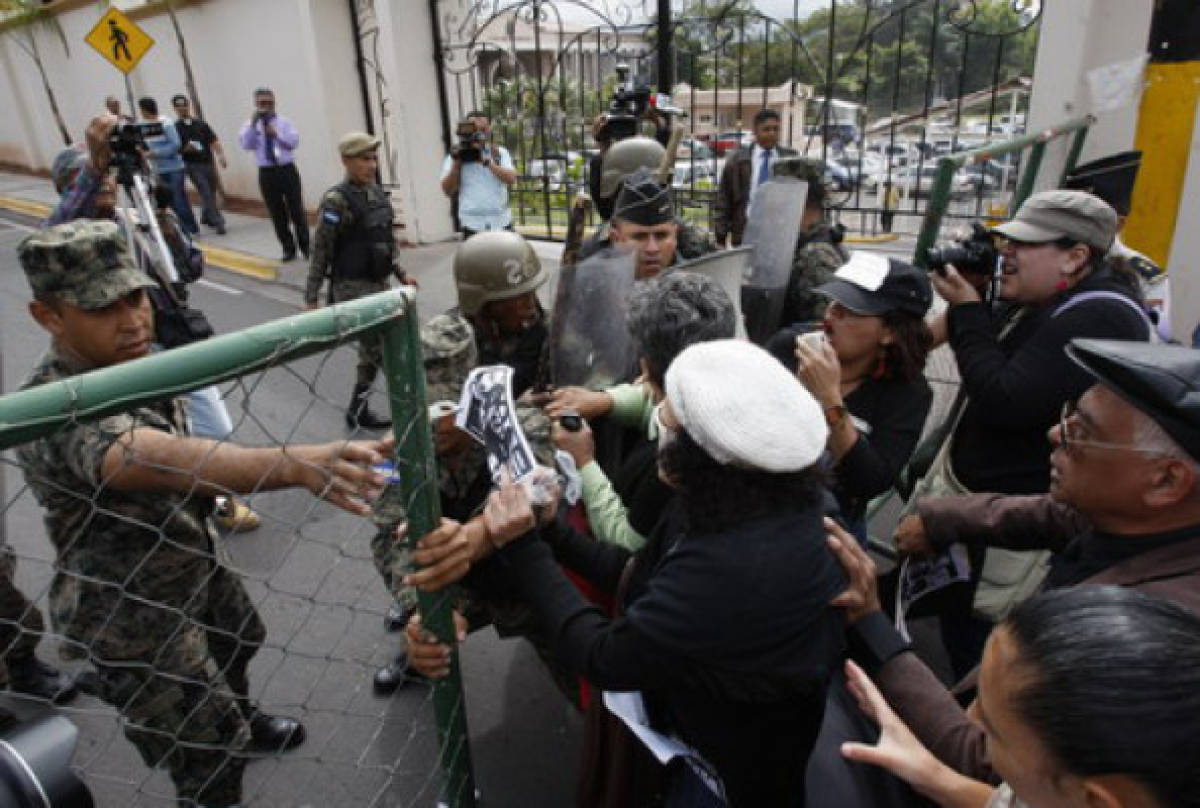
(745, 170)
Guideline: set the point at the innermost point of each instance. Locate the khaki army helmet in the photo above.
(495, 265)
(625, 157)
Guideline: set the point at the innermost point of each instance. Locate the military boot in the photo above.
(359, 415)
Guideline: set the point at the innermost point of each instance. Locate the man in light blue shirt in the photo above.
(168, 162)
(480, 176)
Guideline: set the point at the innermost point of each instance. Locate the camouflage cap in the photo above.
(354, 144)
(448, 347)
(85, 263)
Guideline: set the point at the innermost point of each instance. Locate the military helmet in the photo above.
(625, 157)
(495, 265)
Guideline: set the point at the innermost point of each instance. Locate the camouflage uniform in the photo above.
(819, 253)
(448, 345)
(335, 221)
(139, 591)
(137, 587)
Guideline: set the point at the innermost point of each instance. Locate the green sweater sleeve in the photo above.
(631, 405)
(606, 513)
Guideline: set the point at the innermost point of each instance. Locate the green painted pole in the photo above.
(404, 372)
(1029, 176)
(1073, 155)
(30, 414)
(939, 200)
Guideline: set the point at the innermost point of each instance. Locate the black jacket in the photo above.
(730, 637)
(1016, 387)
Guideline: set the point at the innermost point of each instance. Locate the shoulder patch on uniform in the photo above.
(331, 216)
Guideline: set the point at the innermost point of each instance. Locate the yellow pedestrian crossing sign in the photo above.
(118, 39)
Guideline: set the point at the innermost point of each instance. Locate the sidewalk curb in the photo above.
(882, 238)
(242, 263)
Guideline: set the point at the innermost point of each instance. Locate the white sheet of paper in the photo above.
(1117, 85)
(630, 708)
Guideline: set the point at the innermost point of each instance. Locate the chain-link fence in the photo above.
(308, 574)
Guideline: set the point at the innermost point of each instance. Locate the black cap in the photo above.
(1162, 381)
(644, 200)
(874, 284)
(1110, 178)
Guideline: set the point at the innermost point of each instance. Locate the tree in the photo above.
(28, 17)
(189, 78)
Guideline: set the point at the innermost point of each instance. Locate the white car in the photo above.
(689, 174)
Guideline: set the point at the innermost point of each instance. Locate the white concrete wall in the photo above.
(1184, 259)
(302, 49)
(1078, 36)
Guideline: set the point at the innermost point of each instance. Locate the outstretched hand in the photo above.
(340, 472)
(862, 595)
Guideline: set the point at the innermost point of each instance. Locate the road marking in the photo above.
(19, 226)
(220, 287)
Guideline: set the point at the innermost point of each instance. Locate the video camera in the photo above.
(975, 254)
(630, 100)
(470, 141)
(128, 138)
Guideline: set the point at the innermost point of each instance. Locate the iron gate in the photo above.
(879, 89)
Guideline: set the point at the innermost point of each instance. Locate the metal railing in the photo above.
(939, 198)
(40, 411)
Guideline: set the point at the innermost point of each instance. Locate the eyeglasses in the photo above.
(1070, 434)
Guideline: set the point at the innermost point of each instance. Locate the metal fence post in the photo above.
(1029, 177)
(939, 200)
(405, 375)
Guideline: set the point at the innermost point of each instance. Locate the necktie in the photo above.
(269, 144)
(765, 168)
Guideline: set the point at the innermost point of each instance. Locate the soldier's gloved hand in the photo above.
(581, 445)
(340, 472)
(588, 403)
(508, 514)
(443, 555)
(426, 655)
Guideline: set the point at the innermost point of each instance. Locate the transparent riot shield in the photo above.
(772, 231)
(590, 344)
(729, 269)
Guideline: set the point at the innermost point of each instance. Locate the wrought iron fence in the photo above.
(878, 89)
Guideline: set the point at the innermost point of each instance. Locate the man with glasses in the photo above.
(1123, 509)
(200, 144)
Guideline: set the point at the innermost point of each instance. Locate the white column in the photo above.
(1078, 36)
(1185, 250)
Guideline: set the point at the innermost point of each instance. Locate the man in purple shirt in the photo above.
(273, 139)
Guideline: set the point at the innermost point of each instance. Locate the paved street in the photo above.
(309, 569)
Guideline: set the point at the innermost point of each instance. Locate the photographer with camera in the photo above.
(162, 140)
(479, 173)
(273, 139)
(1056, 285)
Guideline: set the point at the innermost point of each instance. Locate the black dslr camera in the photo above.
(470, 141)
(974, 255)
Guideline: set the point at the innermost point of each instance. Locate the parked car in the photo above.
(729, 141)
(554, 167)
(693, 174)
(914, 183)
(694, 148)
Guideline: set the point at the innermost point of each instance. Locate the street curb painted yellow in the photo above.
(882, 238)
(230, 260)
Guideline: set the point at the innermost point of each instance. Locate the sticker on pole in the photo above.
(119, 40)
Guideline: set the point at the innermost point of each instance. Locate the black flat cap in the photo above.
(1110, 178)
(1162, 381)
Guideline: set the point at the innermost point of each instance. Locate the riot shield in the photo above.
(590, 344)
(773, 228)
(729, 269)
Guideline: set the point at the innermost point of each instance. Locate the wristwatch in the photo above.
(835, 415)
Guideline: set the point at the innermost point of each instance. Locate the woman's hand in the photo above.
(508, 514)
(588, 403)
(580, 445)
(444, 556)
(862, 594)
(953, 287)
(910, 537)
(819, 370)
(426, 655)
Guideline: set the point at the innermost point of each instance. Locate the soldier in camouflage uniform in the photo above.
(450, 353)
(355, 249)
(138, 589)
(819, 250)
(497, 275)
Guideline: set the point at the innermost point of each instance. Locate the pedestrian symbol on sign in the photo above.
(119, 40)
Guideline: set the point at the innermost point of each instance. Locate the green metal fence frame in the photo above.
(30, 414)
(939, 195)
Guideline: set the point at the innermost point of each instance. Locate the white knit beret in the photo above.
(741, 406)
